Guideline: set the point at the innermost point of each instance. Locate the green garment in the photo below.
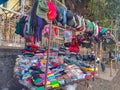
(19, 26)
(91, 26)
(42, 9)
(104, 30)
(37, 80)
(40, 88)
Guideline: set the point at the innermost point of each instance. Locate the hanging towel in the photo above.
(68, 36)
(42, 9)
(3, 1)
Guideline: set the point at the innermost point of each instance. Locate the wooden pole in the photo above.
(110, 68)
(110, 62)
(115, 57)
(48, 54)
(96, 47)
(100, 56)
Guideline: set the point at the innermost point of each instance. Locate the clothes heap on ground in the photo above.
(63, 69)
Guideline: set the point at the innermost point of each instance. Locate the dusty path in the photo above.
(7, 82)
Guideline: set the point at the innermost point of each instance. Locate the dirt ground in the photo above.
(8, 82)
(100, 84)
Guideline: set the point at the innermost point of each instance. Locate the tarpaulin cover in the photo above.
(3, 1)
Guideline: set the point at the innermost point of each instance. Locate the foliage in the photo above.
(104, 10)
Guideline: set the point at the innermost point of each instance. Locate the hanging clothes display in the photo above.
(65, 63)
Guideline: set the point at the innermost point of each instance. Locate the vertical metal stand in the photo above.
(48, 54)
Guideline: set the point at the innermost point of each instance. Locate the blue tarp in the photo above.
(3, 1)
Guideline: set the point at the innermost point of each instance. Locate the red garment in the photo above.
(99, 29)
(80, 29)
(74, 47)
(89, 76)
(54, 64)
(24, 51)
(56, 30)
(30, 39)
(86, 31)
(51, 11)
(34, 46)
(29, 80)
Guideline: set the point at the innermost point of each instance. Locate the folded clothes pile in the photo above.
(30, 70)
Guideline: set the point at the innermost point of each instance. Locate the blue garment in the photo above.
(103, 66)
(118, 58)
(38, 32)
(3, 1)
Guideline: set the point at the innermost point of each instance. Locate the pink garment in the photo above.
(45, 32)
(99, 29)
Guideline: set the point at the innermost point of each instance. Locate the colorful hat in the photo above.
(103, 31)
(96, 30)
(59, 17)
(91, 25)
(42, 9)
(79, 18)
(64, 12)
(51, 11)
(69, 14)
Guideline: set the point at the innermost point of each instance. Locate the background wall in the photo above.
(7, 62)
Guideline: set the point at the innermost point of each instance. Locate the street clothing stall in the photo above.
(48, 67)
